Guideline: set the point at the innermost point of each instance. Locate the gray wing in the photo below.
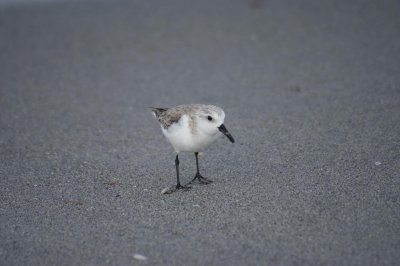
(157, 112)
(166, 116)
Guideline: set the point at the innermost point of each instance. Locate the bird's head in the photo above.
(210, 121)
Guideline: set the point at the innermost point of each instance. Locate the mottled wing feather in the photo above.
(170, 118)
(167, 116)
(158, 111)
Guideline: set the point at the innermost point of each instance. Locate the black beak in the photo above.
(224, 131)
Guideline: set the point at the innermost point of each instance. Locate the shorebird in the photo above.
(191, 128)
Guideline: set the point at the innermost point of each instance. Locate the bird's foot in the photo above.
(179, 186)
(175, 188)
(201, 179)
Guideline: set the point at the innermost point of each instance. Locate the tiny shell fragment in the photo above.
(139, 257)
(165, 190)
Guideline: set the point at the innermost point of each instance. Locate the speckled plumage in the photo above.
(169, 116)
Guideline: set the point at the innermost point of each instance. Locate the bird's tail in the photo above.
(158, 111)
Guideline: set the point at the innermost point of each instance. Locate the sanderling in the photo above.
(192, 128)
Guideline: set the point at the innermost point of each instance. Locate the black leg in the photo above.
(178, 183)
(198, 176)
(196, 154)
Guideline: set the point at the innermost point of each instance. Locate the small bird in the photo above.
(191, 127)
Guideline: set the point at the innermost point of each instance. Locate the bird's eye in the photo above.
(209, 118)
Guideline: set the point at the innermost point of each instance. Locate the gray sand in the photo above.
(311, 90)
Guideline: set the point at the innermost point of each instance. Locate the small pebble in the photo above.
(139, 257)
